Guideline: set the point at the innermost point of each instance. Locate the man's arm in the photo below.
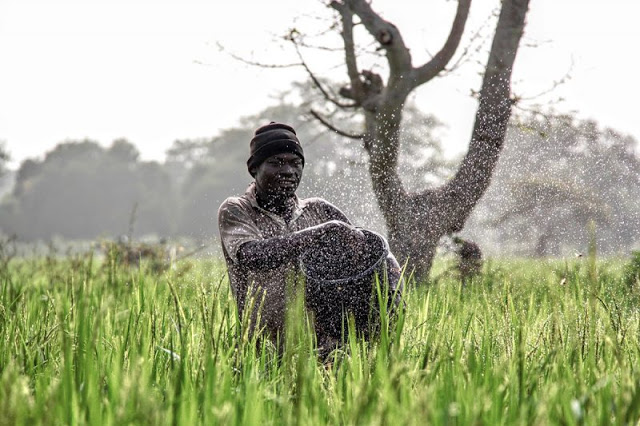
(244, 243)
(273, 252)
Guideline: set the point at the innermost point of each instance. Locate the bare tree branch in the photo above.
(356, 91)
(316, 81)
(252, 63)
(557, 83)
(331, 127)
(438, 63)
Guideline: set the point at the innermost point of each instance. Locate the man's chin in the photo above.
(287, 189)
(283, 192)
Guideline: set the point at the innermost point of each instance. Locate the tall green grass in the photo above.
(528, 342)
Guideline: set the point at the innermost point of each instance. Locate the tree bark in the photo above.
(416, 222)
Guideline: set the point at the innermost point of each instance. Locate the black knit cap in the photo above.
(271, 139)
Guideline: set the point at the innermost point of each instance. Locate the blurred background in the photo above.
(131, 120)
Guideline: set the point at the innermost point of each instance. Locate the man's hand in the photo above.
(337, 232)
(337, 251)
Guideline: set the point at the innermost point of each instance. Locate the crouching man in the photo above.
(265, 231)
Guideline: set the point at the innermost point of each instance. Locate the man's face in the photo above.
(279, 175)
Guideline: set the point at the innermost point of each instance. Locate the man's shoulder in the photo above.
(235, 200)
(322, 206)
(314, 202)
(241, 200)
(234, 203)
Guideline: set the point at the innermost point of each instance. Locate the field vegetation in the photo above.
(90, 341)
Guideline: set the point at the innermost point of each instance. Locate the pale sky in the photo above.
(150, 71)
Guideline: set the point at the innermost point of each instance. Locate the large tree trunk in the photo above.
(416, 222)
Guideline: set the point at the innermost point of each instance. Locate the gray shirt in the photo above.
(241, 220)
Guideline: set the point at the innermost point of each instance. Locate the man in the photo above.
(264, 232)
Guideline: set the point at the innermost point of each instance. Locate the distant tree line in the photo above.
(557, 176)
(81, 190)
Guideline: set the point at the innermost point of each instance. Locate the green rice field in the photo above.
(89, 341)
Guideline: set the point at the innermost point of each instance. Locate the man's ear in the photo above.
(252, 171)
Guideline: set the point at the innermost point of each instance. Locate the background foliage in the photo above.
(557, 175)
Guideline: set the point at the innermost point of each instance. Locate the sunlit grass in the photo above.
(528, 342)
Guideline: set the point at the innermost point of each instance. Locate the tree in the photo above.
(4, 157)
(183, 155)
(552, 212)
(124, 151)
(557, 176)
(416, 221)
(207, 172)
(82, 190)
(7, 176)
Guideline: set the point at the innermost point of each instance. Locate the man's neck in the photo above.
(283, 206)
